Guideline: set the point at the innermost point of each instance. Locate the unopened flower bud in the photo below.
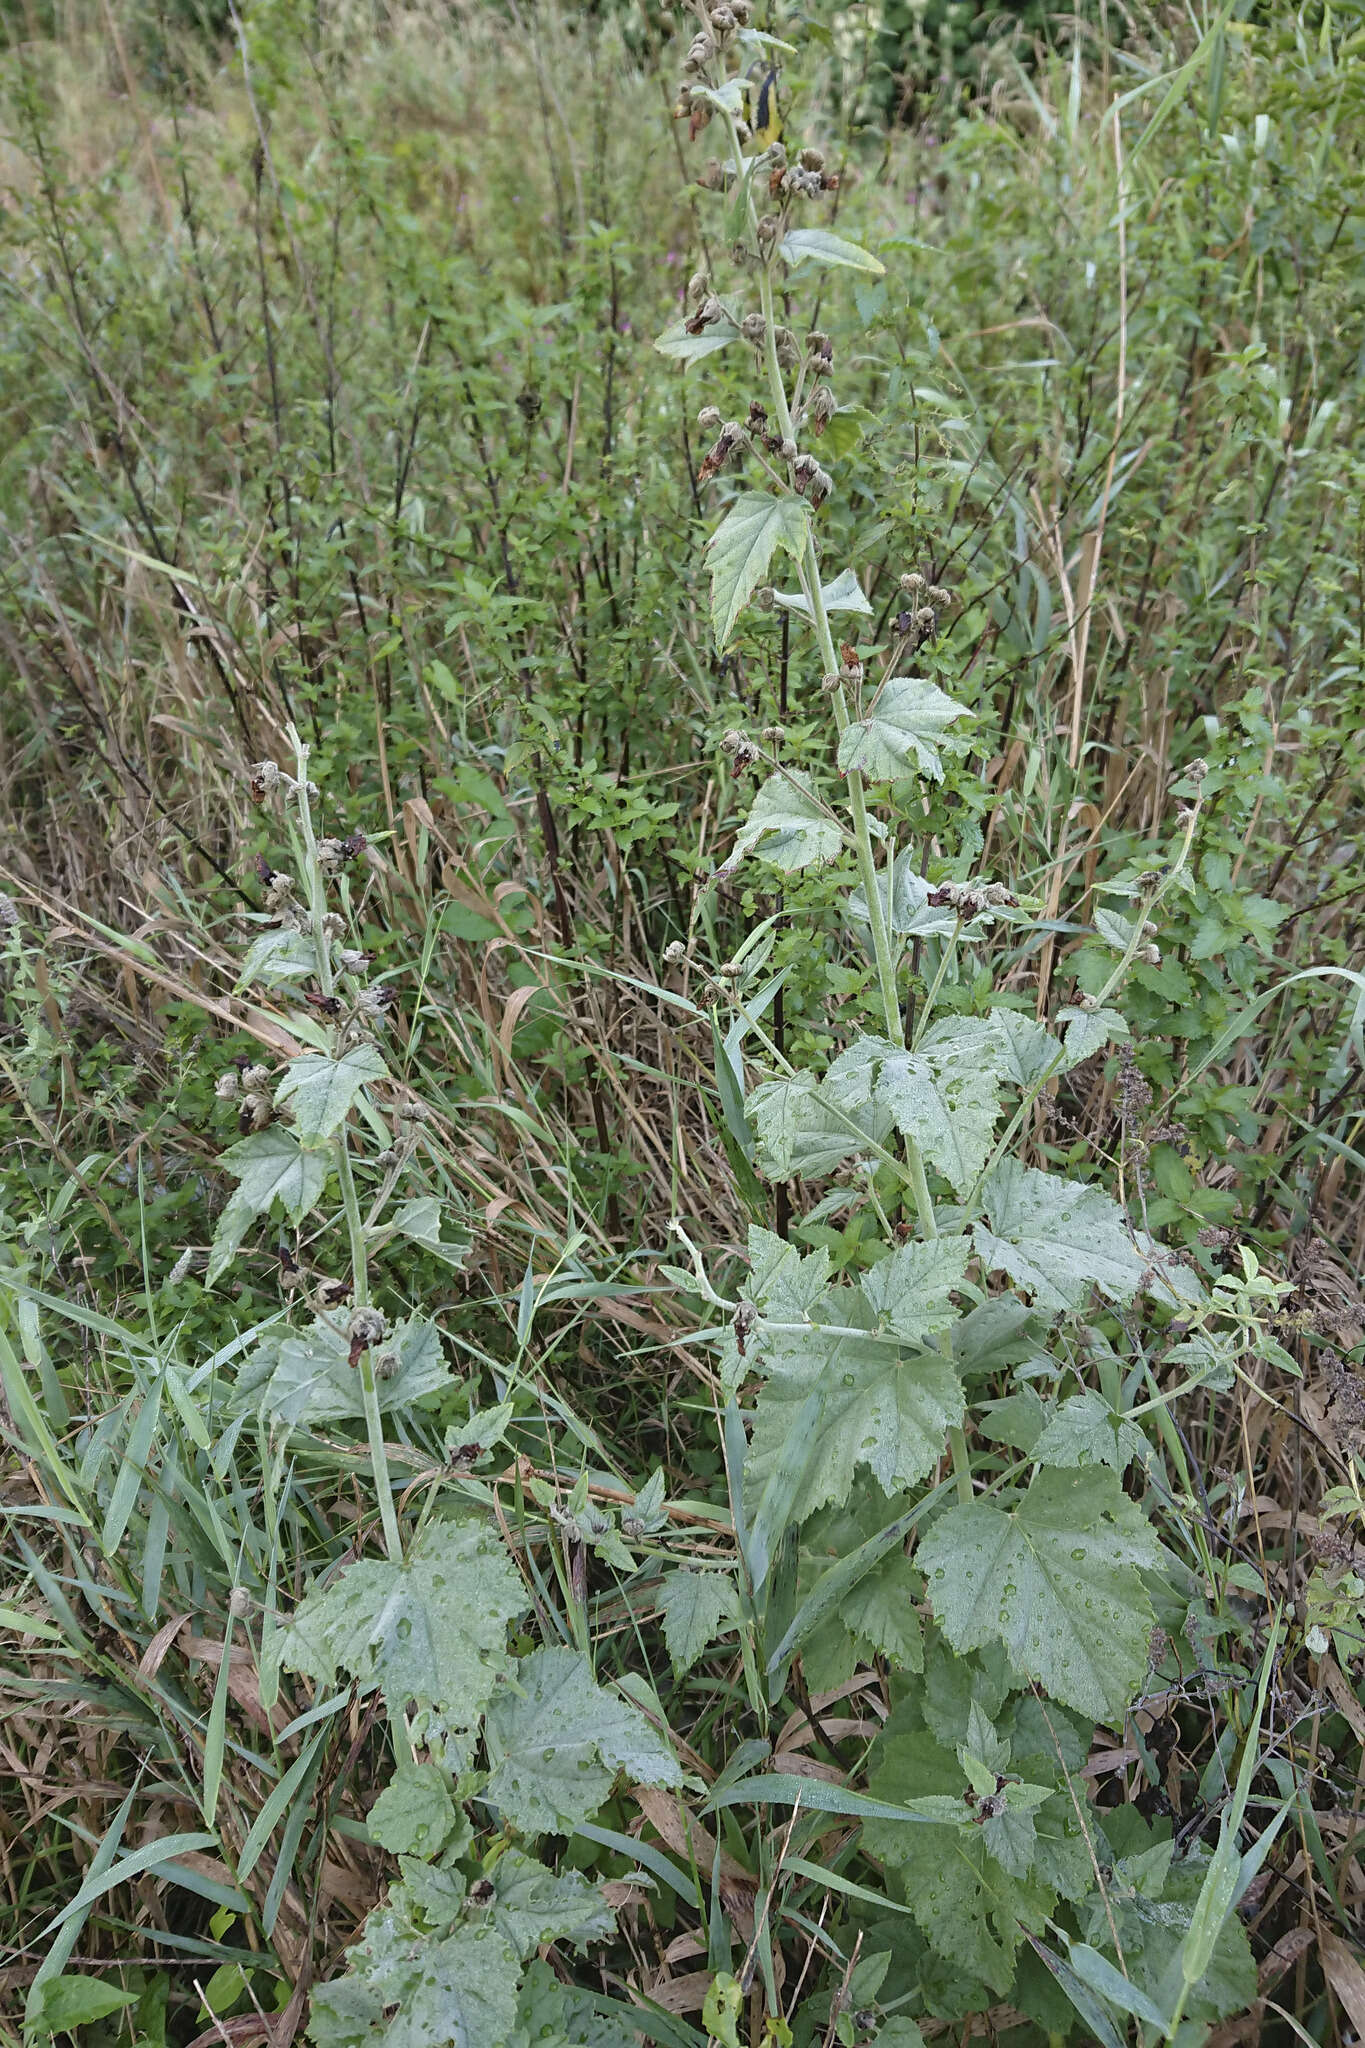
(1089, 1003)
(938, 596)
(227, 1085)
(366, 1327)
(387, 1365)
(239, 1603)
(1197, 770)
(820, 408)
(698, 286)
(331, 855)
(752, 329)
(1151, 954)
(253, 1113)
(708, 419)
(263, 779)
(352, 961)
(764, 597)
(812, 160)
(675, 952)
(912, 584)
(788, 354)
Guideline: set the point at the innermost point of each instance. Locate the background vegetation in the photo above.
(330, 408)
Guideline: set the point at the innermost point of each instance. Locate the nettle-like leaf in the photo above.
(742, 546)
(432, 1630)
(903, 732)
(844, 594)
(1028, 1051)
(696, 1607)
(910, 1291)
(323, 1090)
(269, 1167)
(1055, 1575)
(1084, 1430)
(787, 826)
(879, 1408)
(948, 1104)
(1056, 1238)
(682, 347)
(532, 1904)
(557, 1743)
(817, 245)
(308, 1378)
(401, 1992)
(798, 1130)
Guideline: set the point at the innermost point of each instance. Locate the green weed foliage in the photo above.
(682, 1017)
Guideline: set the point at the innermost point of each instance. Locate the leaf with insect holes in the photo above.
(1054, 1574)
(844, 594)
(910, 1292)
(307, 1377)
(787, 827)
(682, 347)
(743, 545)
(323, 1090)
(902, 733)
(696, 1607)
(432, 1629)
(799, 1131)
(401, 1992)
(1056, 1238)
(269, 1167)
(879, 1408)
(817, 245)
(556, 1744)
(946, 1103)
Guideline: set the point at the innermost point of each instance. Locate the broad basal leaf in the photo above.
(695, 1606)
(556, 1744)
(532, 1904)
(551, 2014)
(322, 1090)
(947, 1104)
(787, 826)
(815, 245)
(879, 1408)
(1054, 1575)
(308, 1378)
(844, 594)
(404, 1993)
(1056, 1238)
(431, 1630)
(675, 341)
(902, 733)
(800, 1131)
(270, 1166)
(972, 1910)
(743, 545)
(910, 1292)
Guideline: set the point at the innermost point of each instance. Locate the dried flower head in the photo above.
(675, 952)
(263, 779)
(227, 1085)
(255, 1077)
(366, 1328)
(913, 583)
(254, 1113)
(820, 408)
(9, 914)
(709, 418)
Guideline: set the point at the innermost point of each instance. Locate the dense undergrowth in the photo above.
(600, 1443)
